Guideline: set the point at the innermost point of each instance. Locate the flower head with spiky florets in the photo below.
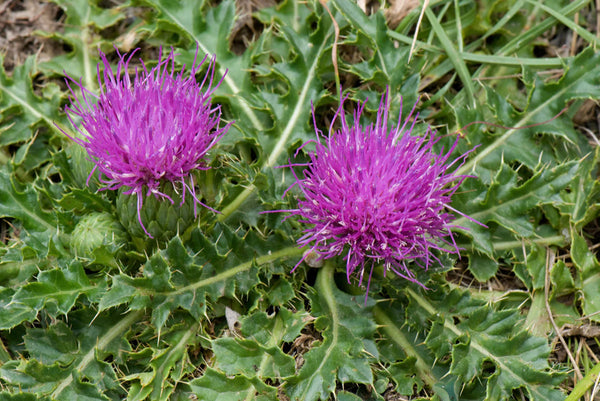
(153, 127)
(377, 195)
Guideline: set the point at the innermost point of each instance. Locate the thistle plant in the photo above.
(92, 309)
(151, 129)
(378, 194)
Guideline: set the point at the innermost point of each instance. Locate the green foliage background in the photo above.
(214, 312)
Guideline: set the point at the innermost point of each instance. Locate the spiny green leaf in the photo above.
(20, 263)
(198, 23)
(297, 71)
(262, 328)
(342, 355)
(291, 81)
(54, 291)
(482, 266)
(39, 378)
(82, 19)
(21, 202)
(403, 374)
(519, 359)
(582, 202)
(387, 64)
(21, 397)
(509, 202)
(347, 396)
(546, 101)
(589, 279)
(54, 344)
(216, 385)
(20, 107)
(248, 357)
(87, 345)
(167, 364)
(185, 277)
(562, 279)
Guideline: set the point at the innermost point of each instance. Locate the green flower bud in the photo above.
(98, 237)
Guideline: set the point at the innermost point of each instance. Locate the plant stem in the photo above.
(397, 336)
(583, 386)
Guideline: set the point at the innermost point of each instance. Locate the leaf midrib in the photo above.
(324, 281)
(20, 100)
(473, 341)
(492, 210)
(528, 115)
(101, 344)
(281, 254)
(56, 293)
(25, 210)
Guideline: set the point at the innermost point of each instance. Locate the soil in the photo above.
(19, 22)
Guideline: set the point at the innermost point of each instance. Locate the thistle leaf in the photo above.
(509, 203)
(588, 267)
(518, 359)
(55, 291)
(21, 202)
(214, 384)
(82, 21)
(85, 346)
(247, 357)
(220, 266)
(161, 368)
(545, 102)
(342, 355)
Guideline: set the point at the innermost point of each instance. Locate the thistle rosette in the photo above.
(378, 194)
(147, 130)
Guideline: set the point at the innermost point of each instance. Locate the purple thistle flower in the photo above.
(378, 195)
(154, 127)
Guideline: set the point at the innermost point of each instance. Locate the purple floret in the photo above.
(378, 194)
(153, 127)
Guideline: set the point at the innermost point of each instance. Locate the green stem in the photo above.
(558, 240)
(324, 286)
(89, 71)
(490, 296)
(232, 207)
(397, 336)
(325, 289)
(583, 386)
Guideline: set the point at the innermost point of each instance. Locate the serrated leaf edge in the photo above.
(101, 344)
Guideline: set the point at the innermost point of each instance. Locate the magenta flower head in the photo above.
(378, 194)
(153, 127)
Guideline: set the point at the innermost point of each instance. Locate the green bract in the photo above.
(162, 219)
